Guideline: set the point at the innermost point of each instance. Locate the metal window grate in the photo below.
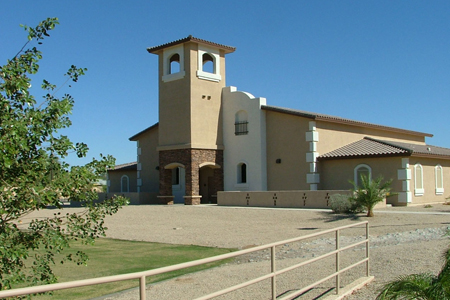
(241, 128)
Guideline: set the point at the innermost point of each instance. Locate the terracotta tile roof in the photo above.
(334, 119)
(133, 138)
(369, 147)
(125, 167)
(421, 150)
(190, 38)
(366, 147)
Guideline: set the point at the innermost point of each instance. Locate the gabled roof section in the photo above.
(134, 137)
(125, 167)
(190, 38)
(334, 119)
(367, 147)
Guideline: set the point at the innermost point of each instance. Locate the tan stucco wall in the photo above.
(336, 174)
(114, 178)
(149, 160)
(333, 135)
(174, 106)
(429, 181)
(286, 141)
(189, 108)
(206, 121)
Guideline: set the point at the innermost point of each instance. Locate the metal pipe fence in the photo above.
(272, 275)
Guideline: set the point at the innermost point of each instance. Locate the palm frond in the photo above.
(408, 287)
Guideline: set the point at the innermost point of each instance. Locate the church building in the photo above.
(211, 137)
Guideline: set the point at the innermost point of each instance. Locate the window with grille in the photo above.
(241, 123)
(241, 128)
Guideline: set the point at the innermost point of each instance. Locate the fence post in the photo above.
(338, 279)
(272, 269)
(142, 288)
(367, 249)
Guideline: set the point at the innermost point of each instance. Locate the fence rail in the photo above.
(272, 275)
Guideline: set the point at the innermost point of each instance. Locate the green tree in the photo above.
(424, 286)
(370, 192)
(33, 173)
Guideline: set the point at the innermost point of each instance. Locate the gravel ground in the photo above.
(402, 241)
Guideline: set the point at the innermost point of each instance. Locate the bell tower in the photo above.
(191, 78)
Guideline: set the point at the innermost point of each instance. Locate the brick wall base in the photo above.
(191, 159)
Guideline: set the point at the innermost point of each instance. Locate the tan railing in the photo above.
(273, 274)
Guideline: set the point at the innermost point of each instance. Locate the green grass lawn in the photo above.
(112, 257)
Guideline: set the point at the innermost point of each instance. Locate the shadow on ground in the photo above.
(332, 217)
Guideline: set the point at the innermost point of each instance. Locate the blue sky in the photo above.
(384, 62)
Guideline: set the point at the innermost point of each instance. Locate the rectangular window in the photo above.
(240, 128)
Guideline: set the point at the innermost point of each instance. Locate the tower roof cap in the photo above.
(190, 38)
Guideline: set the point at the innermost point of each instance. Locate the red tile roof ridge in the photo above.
(190, 38)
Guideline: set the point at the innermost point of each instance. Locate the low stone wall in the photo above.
(298, 199)
(284, 199)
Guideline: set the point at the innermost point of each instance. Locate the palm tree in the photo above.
(423, 286)
(370, 192)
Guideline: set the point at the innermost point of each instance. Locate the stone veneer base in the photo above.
(192, 200)
(167, 200)
(191, 159)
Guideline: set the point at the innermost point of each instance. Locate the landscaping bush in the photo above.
(340, 203)
(344, 204)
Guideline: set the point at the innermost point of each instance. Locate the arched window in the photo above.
(242, 173)
(418, 180)
(208, 63)
(174, 64)
(124, 184)
(439, 176)
(362, 170)
(241, 123)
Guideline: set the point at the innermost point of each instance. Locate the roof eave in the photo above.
(190, 38)
(284, 111)
(363, 156)
(134, 137)
(375, 126)
(338, 120)
(431, 155)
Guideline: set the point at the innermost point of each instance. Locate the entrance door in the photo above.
(206, 184)
(178, 184)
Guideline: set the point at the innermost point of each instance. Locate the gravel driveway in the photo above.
(403, 241)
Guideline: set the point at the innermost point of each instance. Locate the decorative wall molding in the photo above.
(404, 175)
(312, 136)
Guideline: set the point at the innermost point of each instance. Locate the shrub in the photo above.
(340, 203)
(370, 192)
(344, 204)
